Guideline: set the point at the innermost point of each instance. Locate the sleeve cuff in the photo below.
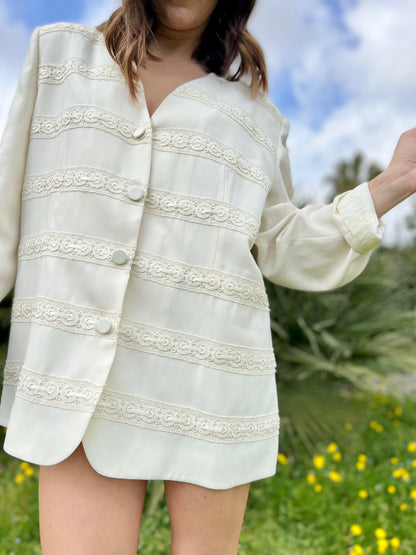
(356, 218)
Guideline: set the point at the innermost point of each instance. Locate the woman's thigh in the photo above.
(205, 521)
(82, 512)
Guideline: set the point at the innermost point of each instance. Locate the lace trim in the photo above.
(201, 210)
(265, 101)
(56, 391)
(146, 266)
(85, 115)
(80, 178)
(56, 74)
(150, 414)
(200, 280)
(62, 315)
(89, 32)
(198, 350)
(72, 246)
(11, 373)
(163, 203)
(233, 111)
(207, 146)
(155, 415)
(144, 337)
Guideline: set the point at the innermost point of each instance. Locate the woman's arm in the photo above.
(398, 181)
(13, 151)
(321, 246)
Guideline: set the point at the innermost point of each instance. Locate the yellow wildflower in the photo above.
(319, 461)
(396, 423)
(373, 424)
(391, 489)
(318, 488)
(394, 460)
(19, 478)
(412, 446)
(413, 494)
(356, 529)
(403, 506)
(348, 426)
(398, 411)
(382, 545)
(358, 550)
(398, 472)
(362, 458)
(24, 465)
(28, 471)
(379, 428)
(337, 456)
(395, 543)
(414, 463)
(332, 447)
(380, 533)
(405, 475)
(360, 465)
(311, 478)
(390, 414)
(334, 476)
(363, 493)
(282, 458)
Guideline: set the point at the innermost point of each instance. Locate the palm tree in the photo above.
(350, 173)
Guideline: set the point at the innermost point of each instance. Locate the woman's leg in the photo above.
(205, 521)
(82, 512)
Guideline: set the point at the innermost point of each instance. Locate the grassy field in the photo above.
(356, 497)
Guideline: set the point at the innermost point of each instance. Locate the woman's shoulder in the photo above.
(66, 27)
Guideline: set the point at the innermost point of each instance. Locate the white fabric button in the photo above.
(104, 325)
(135, 192)
(119, 256)
(139, 132)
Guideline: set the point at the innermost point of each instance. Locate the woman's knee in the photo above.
(83, 512)
(205, 521)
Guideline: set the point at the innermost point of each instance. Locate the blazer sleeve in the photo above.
(13, 150)
(317, 247)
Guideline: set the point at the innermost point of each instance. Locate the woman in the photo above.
(85, 504)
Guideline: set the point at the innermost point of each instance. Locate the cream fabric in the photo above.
(136, 246)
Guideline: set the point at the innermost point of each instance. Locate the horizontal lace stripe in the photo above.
(56, 74)
(196, 349)
(145, 337)
(197, 143)
(53, 391)
(173, 273)
(201, 210)
(200, 280)
(86, 115)
(66, 393)
(231, 110)
(193, 208)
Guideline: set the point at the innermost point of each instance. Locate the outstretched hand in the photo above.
(398, 181)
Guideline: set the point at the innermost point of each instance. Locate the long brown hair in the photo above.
(129, 30)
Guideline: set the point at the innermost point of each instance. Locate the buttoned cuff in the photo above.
(356, 218)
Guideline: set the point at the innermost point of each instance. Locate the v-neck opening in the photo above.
(191, 81)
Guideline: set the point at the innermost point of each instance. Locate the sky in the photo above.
(342, 72)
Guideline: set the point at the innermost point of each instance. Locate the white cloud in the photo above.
(364, 57)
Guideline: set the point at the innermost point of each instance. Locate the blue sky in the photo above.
(336, 69)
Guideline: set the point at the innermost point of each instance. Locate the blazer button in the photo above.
(104, 325)
(119, 256)
(139, 132)
(135, 193)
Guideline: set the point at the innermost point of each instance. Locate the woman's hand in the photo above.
(398, 181)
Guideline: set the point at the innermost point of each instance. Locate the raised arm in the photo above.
(322, 247)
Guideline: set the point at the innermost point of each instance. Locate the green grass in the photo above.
(285, 515)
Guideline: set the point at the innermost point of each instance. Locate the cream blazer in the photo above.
(137, 247)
